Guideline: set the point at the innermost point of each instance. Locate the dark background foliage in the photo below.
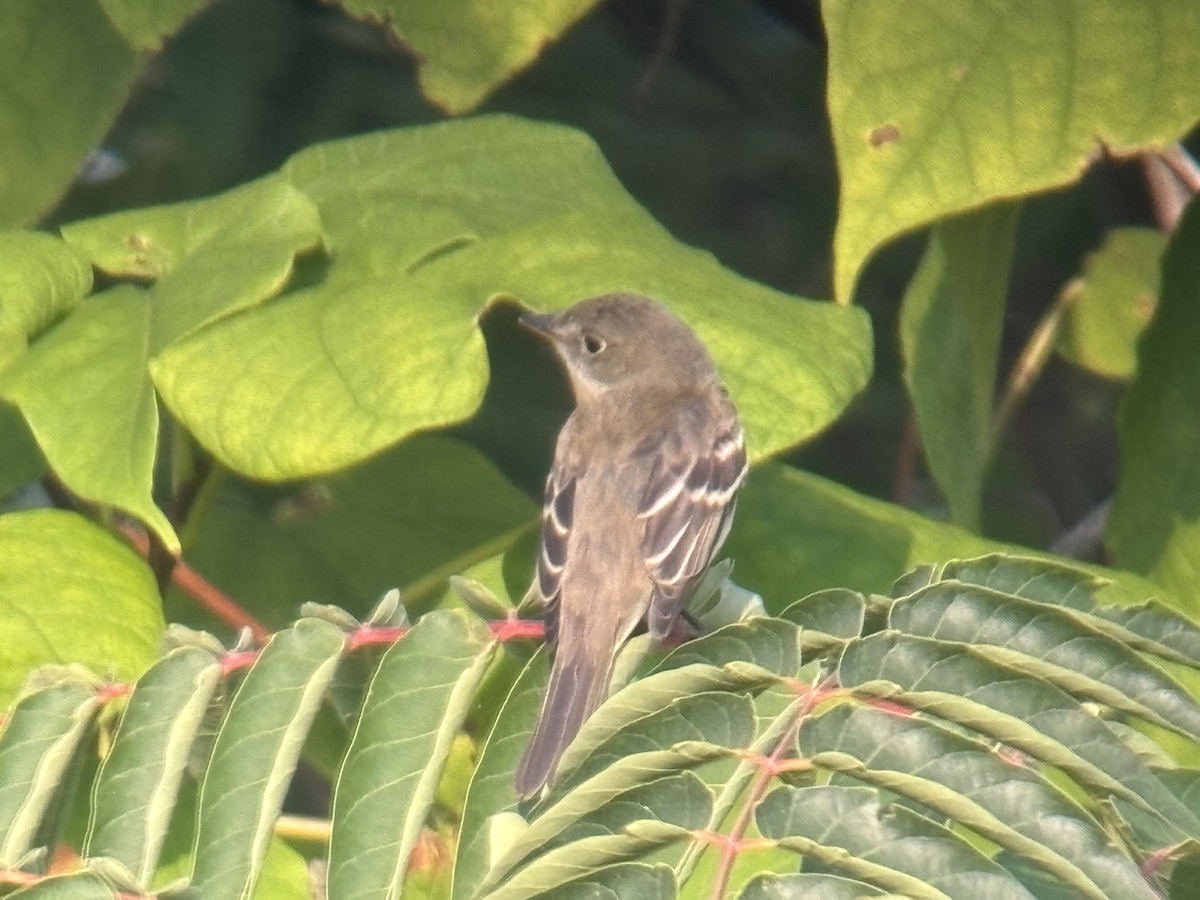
(712, 115)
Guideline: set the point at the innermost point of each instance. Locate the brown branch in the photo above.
(1029, 365)
(908, 458)
(203, 591)
(662, 53)
(769, 767)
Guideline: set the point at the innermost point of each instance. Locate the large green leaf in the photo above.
(20, 459)
(84, 387)
(839, 538)
(939, 107)
(210, 257)
(1110, 303)
(410, 518)
(73, 62)
(428, 226)
(950, 327)
(1155, 523)
(466, 50)
(84, 391)
(70, 592)
(41, 278)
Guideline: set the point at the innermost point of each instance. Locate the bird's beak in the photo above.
(539, 323)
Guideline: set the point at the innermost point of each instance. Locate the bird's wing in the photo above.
(558, 512)
(688, 504)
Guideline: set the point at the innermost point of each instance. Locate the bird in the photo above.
(639, 498)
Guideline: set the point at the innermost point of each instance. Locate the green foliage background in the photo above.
(272, 319)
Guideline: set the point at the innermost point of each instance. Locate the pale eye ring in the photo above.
(593, 344)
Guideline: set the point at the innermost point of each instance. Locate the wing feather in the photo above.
(688, 504)
(558, 513)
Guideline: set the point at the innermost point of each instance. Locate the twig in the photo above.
(907, 459)
(303, 828)
(1082, 539)
(203, 591)
(732, 844)
(666, 46)
(1030, 363)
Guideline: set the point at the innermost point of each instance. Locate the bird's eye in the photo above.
(593, 344)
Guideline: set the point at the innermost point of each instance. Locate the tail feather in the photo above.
(576, 688)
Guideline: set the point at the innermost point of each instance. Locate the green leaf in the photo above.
(1111, 302)
(1154, 527)
(41, 278)
(693, 723)
(410, 518)
(41, 738)
(886, 845)
(941, 107)
(256, 753)
(621, 881)
(654, 694)
(84, 387)
(68, 60)
(146, 25)
(210, 258)
(772, 644)
(681, 799)
(582, 860)
(964, 781)
(20, 459)
(659, 726)
(828, 616)
(428, 226)
(492, 792)
(1036, 718)
(802, 886)
(838, 538)
(285, 873)
(415, 706)
(1147, 627)
(1052, 643)
(73, 61)
(689, 731)
(950, 326)
(1025, 576)
(71, 592)
(84, 391)
(138, 784)
(465, 51)
(81, 886)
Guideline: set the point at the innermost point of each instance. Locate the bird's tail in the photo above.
(577, 686)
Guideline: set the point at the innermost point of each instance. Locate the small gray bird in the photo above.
(639, 499)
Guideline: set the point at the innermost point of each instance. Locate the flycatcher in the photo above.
(639, 499)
